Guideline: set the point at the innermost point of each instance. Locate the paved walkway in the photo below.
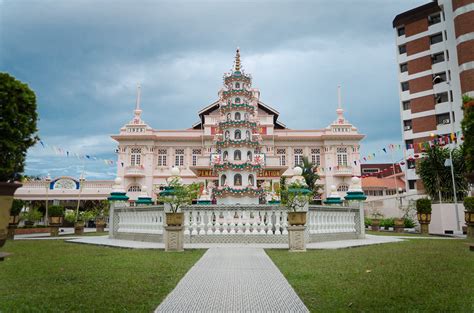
(233, 280)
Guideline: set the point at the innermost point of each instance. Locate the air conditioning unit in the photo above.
(407, 127)
(446, 121)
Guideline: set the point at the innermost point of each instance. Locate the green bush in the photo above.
(17, 205)
(423, 205)
(32, 215)
(56, 210)
(469, 204)
(409, 222)
(387, 222)
(367, 221)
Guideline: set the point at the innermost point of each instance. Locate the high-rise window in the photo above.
(401, 31)
(341, 156)
(406, 105)
(411, 184)
(436, 38)
(441, 97)
(162, 157)
(443, 119)
(403, 67)
(407, 125)
(402, 49)
(298, 153)
(135, 156)
(434, 19)
(439, 78)
(438, 57)
(405, 86)
(179, 157)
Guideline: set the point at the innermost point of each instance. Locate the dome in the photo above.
(175, 171)
(297, 171)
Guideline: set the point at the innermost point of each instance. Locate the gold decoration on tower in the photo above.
(237, 60)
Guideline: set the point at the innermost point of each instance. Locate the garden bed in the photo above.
(32, 230)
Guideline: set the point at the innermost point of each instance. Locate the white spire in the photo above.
(138, 112)
(137, 107)
(339, 111)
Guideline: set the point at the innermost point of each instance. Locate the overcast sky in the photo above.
(84, 59)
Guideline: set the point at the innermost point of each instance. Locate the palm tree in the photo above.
(310, 175)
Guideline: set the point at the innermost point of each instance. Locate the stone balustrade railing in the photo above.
(252, 223)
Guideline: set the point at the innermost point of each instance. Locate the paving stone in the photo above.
(236, 279)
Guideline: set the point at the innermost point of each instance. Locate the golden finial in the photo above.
(237, 60)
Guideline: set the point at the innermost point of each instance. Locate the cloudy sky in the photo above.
(84, 59)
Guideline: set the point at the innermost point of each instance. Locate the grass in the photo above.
(410, 276)
(391, 233)
(55, 276)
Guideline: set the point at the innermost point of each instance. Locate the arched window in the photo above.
(237, 85)
(225, 156)
(250, 179)
(237, 100)
(247, 135)
(237, 134)
(223, 180)
(237, 155)
(134, 188)
(237, 180)
(228, 116)
(343, 187)
(226, 134)
(237, 116)
(249, 156)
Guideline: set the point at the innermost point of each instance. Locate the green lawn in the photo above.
(391, 233)
(55, 276)
(412, 276)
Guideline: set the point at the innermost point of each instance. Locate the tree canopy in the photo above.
(17, 126)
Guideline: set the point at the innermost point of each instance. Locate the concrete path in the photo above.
(233, 280)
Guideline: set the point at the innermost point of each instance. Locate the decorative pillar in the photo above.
(355, 196)
(118, 198)
(144, 198)
(333, 198)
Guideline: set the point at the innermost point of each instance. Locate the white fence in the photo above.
(237, 223)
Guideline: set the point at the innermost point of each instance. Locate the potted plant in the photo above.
(423, 211)
(17, 129)
(376, 219)
(31, 216)
(101, 214)
(398, 225)
(174, 197)
(56, 215)
(469, 215)
(78, 220)
(296, 198)
(17, 206)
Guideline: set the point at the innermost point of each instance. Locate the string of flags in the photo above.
(64, 152)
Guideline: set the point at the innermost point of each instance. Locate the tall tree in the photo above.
(467, 125)
(436, 176)
(17, 126)
(310, 175)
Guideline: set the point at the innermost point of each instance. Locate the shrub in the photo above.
(56, 210)
(469, 204)
(387, 222)
(32, 215)
(367, 222)
(17, 205)
(423, 205)
(409, 222)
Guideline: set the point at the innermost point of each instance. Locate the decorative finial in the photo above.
(339, 111)
(138, 112)
(137, 106)
(237, 60)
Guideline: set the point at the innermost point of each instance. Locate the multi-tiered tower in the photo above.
(238, 158)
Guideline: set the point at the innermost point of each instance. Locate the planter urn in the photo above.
(54, 223)
(79, 228)
(296, 218)
(399, 226)
(469, 219)
(6, 199)
(424, 219)
(174, 219)
(12, 225)
(375, 224)
(100, 224)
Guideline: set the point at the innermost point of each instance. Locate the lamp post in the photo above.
(48, 182)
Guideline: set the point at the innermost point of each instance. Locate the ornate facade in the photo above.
(239, 147)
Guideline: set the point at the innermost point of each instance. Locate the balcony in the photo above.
(343, 170)
(134, 171)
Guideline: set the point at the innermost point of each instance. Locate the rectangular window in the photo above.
(403, 67)
(298, 156)
(411, 164)
(438, 57)
(316, 156)
(434, 19)
(341, 156)
(135, 156)
(401, 31)
(436, 38)
(407, 125)
(196, 152)
(406, 105)
(370, 170)
(402, 49)
(179, 157)
(409, 143)
(441, 97)
(439, 78)
(411, 184)
(443, 119)
(162, 157)
(281, 153)
(405, 86)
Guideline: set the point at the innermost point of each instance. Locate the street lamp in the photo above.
(48, 182)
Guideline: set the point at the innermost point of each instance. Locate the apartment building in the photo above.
(435, 56)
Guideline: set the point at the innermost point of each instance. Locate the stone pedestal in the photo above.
(54, 231)
(425, 228)
(296, 238)
(11, 232)
(174, 238)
